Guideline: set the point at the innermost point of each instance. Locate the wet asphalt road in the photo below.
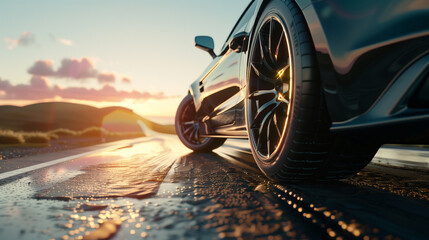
(157, 189)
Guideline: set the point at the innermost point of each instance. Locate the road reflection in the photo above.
(134, 171)
(159, 190)
(242, 198)
(221, 200)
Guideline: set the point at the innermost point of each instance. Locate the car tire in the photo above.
(187, 128)
(301, 146)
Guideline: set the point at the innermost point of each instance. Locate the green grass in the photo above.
(8, 137)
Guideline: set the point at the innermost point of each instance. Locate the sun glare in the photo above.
(121, 120)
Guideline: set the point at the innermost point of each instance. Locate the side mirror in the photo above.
(238, 42)
(205, 43)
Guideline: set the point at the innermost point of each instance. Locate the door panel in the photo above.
(223, 81)
(220, 88)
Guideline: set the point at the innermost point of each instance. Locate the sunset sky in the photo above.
(137, 54)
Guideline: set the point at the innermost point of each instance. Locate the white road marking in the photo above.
(42, 165)
(64, 159)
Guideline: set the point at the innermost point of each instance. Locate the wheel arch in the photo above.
(303, 5)
(194, 91)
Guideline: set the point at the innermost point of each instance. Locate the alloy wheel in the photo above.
(270, 88)
(189, 125)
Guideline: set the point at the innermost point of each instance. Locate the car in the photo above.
(315, 86)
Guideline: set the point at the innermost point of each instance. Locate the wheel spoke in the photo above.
(196, 134)
(261, 134)
(265, 128)
(260, 93)
(268, 137)
(190, 133)
(285, 100)
(258, 144)
(261, 112)
(276, 124)
(284, 70)
(276, 54)
(270, 36)
(268, 62)
(266, 56)
(189, 123)
(260, 68)
(285, 86)
(261, 48)
(270, 52)
(187, 131)
(262, 76)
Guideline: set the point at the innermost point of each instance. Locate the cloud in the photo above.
(70, 68)
(42, 68)
(106, 78)
(39, 83)
(37, 89)
(126, 80)
(64, 41)
(77, 69)
(40, 89)
(26, 39)
(107, 93)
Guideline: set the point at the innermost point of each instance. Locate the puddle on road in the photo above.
(134, 172)
(99, 190)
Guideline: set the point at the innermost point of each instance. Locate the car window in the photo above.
(241, 24)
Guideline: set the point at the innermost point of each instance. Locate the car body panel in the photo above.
(218, 93)
(362, 46)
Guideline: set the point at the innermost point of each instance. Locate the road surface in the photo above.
(154, 188)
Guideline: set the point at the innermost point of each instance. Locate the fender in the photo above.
(362, 47)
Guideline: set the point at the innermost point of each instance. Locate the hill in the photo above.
(53, 115)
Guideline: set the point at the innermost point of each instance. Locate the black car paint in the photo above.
(218, 94)
(362, 48)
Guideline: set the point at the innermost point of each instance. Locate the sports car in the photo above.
(316, 86)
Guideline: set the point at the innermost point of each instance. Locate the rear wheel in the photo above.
(287, 120)
(187, 128)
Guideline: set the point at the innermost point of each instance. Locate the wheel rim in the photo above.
(270, 88)
(189, 125)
